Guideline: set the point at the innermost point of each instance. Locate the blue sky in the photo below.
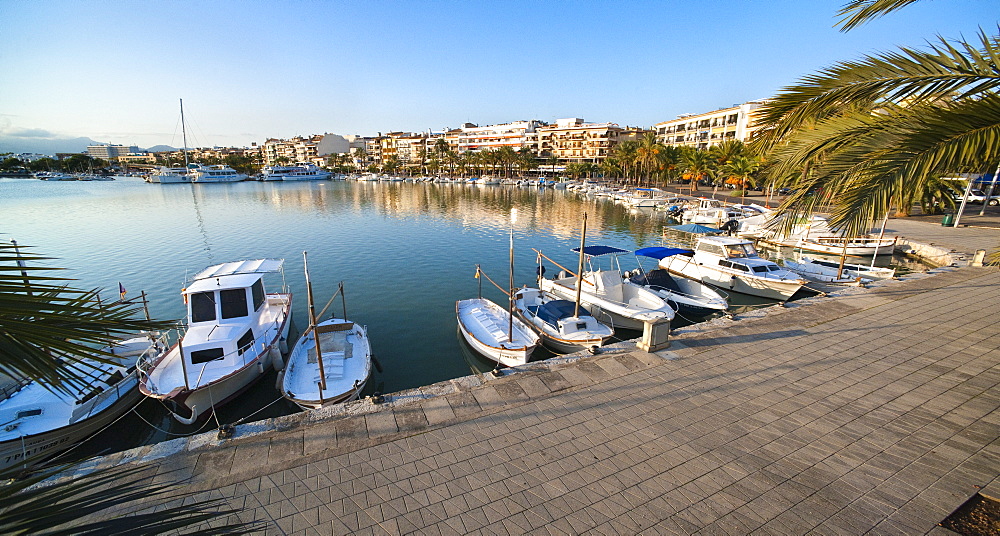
(114, 70)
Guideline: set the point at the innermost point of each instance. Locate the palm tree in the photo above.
(876, 131)
(740, 170)
(625, 152)
(697, 165)
(648, 155)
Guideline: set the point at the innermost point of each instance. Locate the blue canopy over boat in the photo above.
(660, 252)
(597, 251)
(555, 310)
(695, 228)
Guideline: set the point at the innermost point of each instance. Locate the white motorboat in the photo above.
(55, 176)
(215, 173)
(234, 332)
(823, 274)
(711, 212)
(835, 244)
(40, 422)
(169, 175)
(686, 296)
(627, 304)
(330, 363)
(733, 264)
(645, 197)
(830, 268)
(491, 331)
(306, 172)
(563, 326)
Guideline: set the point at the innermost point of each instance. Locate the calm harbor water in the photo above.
(405, 252)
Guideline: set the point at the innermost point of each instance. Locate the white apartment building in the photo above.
(711, 128)
(111, 152)
(472, 138)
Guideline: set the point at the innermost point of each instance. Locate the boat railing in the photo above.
(156, 352)
(13, 386)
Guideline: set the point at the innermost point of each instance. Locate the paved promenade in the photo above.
(876, 411)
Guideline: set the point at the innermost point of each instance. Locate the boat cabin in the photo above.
(735, 254)
(559, 314)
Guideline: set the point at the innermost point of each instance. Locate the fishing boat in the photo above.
(564, 326)
(686, 296)
(330, 363)
(733, 264)
(492, 330)
(39, 422)
(835, 244)
(494, 333)
(627, 304)
(235, 330)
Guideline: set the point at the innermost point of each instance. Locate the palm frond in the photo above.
(858, 12)
(80, 505)
(47, 326)
(909, 77)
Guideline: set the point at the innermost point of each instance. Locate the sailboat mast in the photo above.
(184, 136)
(312, 326)
(579, 270)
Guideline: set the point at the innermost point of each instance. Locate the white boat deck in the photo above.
(346, 360)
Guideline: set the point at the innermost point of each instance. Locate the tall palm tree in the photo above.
(625, 152)
(648, 155)
(876, 131)
(740, 170)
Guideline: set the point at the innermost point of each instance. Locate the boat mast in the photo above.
(312, 326)
(184, 136)
(510, 295)
(579, 271)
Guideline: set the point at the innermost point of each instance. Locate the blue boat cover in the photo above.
(556, 310)
(695, 228)
(662, 252)
(597, 251)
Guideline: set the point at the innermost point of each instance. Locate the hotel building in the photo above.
(711, 128)
(573, 141)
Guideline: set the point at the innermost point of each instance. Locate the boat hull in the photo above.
(621, 315)
(492, 348)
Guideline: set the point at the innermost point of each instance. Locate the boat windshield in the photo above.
(739, 251)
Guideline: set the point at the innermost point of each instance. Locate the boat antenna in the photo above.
(579, 271)
(312, 325)
(510, 295)
(184, 136)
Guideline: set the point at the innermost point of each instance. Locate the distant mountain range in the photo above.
(51, 146)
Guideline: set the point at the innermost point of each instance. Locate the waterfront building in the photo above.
(109, 152)
(574, 141)
(704, 130)
(472, 138)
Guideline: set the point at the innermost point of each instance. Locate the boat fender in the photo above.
(260, 366)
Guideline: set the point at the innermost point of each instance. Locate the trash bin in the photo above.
(948, 220)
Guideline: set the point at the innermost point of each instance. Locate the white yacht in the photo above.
(169, 175)
(234, 331)
(733, 264)
(216, 173)
(275, 173)
(306, 172)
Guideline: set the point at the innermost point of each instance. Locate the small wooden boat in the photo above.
(564, 326)
(492, 332)
(331, 362)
